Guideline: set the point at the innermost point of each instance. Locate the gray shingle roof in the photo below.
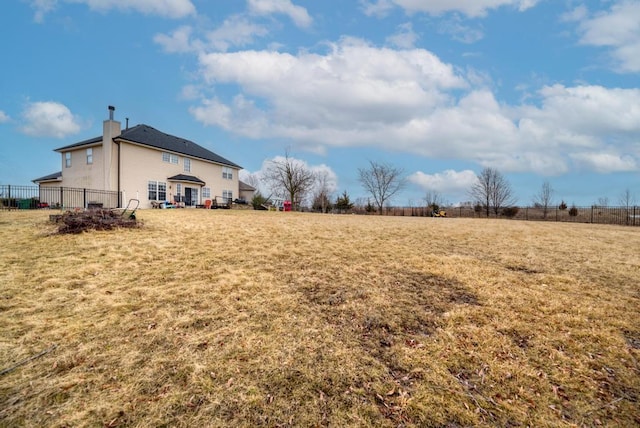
(184, 177)
(149, 136)
(90, 141)
(246, 187)
(50, 177)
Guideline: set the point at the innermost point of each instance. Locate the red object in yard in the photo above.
(287, 205)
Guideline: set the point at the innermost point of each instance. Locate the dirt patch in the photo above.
(632, 338)
(398, 310)
(523, 269)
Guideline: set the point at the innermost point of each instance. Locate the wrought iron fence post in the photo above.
(62, 198)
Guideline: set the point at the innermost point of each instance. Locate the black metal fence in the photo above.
(36, 197)
(627, 216)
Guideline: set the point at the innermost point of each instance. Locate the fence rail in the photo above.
(626, 216)
(35, 197)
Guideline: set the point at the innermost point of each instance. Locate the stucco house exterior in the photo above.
(144, 163)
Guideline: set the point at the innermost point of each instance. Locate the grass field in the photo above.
(243, 318)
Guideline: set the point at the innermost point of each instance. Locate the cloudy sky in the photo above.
(542, 90)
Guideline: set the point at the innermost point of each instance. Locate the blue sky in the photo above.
(542, 90)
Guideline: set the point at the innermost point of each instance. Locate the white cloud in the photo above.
(577, 14)
(379, 8)
(42, 7)
(49, 119)
(167, 8)
(470, 8)
(404, 38)
(354, 78)
(445, 182)
(606, 162)
(3, 117)
(297, 14)
(178, 41)
(356, 94)
(190, 92)
(235, 31)
(587, 111)
(617, 29)
(459, 31)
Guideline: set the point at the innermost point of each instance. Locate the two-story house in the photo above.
(144, 163)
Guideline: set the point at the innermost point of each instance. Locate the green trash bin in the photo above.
(24, 204)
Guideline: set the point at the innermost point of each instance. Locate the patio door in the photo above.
(190, 196)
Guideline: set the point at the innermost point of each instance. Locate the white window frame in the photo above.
(206, 192)
(67, 160)
(162, 191)
(227, 195)
(89, 155)
(187, 165)
(179, 192)
(152, 190)
(227, 173)
(169, 158)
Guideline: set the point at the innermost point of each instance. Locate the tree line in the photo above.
(491, 193)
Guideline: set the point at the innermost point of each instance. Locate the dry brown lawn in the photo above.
(243, 318)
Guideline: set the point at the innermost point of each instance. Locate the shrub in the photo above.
(343, 202)
(562, 206)
(9, 202)
(258, 201)
(510, 212)
(370, 208)
(573, 211)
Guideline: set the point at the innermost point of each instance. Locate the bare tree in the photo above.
(492, 190)
(433, 199)
(603, 202)
(290, 178)
(322, 193)
(627, 199)
(544, 197)
(381, 181)
(253, 180)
